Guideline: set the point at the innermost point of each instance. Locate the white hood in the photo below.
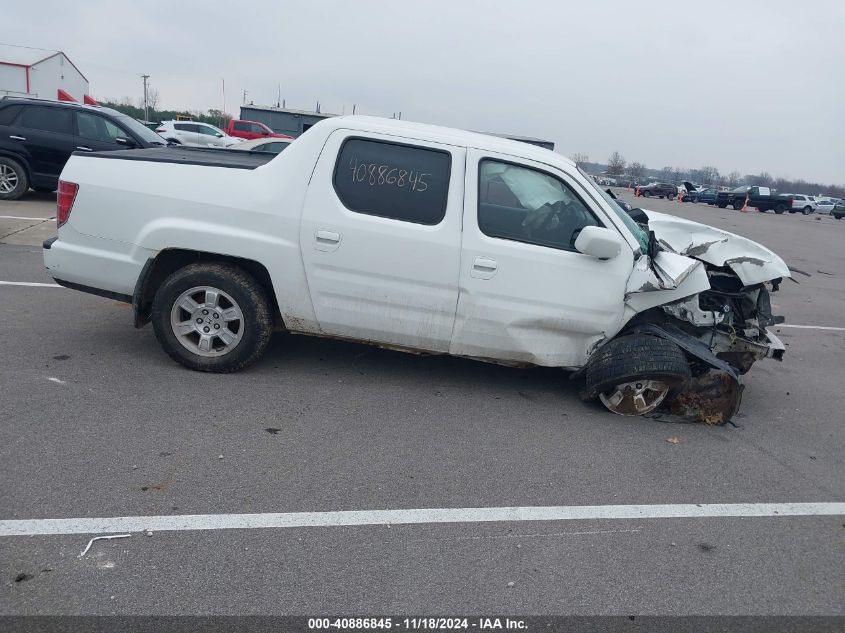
(752, 262)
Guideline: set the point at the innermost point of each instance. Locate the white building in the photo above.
(36, 72)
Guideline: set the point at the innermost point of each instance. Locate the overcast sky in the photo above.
(740, 85)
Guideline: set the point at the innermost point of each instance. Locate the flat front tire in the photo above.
(212, 317)
(633, 375)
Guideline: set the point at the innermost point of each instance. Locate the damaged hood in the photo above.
(752, 262)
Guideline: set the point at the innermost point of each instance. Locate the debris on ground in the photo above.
(22, 577)
(674, 440)
(272, 430)
(101, 538)
(712, 398)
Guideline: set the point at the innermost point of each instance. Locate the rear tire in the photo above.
(646, 194)
(212, 317)
(633, 374)
(13, 179)
(807, 210)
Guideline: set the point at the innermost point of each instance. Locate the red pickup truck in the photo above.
(251, 129)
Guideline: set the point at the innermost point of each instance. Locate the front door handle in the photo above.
(326, 240)
(17, 138)
(84, 149)
(484, 268)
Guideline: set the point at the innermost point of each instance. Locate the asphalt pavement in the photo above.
(96, 421)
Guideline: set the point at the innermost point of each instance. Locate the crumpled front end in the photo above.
(713, 290)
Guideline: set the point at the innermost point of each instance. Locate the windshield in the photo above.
(141, 130)
(642, 236)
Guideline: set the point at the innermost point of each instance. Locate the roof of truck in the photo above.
(447, 135)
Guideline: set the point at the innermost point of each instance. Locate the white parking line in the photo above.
(30, 527)
(23, 217)
(28, 283)
(813, 327)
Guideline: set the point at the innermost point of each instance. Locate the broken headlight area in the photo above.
(731, 319)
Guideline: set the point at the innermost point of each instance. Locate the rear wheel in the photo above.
(634, 374)
(13, 179)
(212, 317)
(646, 194)
(737, 205)
(807, 210)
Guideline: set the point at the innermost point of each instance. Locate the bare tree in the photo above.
(152, 98)
(616, 164)
(764, 179)
(637, 170)
(678, 173)
(733, 178)
(709, 174)
(579, 159)
(666, 173)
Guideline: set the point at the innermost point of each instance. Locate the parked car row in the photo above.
(38, 136)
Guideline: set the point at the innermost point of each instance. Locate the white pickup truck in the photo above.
(418, 238)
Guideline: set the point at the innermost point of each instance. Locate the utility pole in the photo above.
(245, 94)
(146, 112)
(223, 116)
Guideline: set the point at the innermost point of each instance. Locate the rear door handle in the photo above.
(326, 240)
(17, 138)
(484, 268)
(84, 149)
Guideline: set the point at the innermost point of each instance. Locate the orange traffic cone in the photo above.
(744, 208)
(637, 193)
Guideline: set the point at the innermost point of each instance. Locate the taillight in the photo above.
(64, 201)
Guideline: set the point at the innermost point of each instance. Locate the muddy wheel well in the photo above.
(170, 260)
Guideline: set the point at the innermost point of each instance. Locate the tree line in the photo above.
(617, 167)
(136, 110)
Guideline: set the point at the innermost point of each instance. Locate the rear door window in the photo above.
(9, 114)
(392, 180)
(241, 126)
(47, 119)
(97, 128)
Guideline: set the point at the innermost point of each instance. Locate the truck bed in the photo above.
(228, 158)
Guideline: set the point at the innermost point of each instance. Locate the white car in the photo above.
(824, 204)
(802, 203)
(195, 134)
(269, 145)
(424, 239)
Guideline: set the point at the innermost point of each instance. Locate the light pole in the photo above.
(146, 112)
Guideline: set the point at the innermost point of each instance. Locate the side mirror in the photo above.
(129, 143)
(599, 242)
(218, 135)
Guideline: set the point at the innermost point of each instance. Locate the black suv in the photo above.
(660, 189)
(838, 210)
(38, 136)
